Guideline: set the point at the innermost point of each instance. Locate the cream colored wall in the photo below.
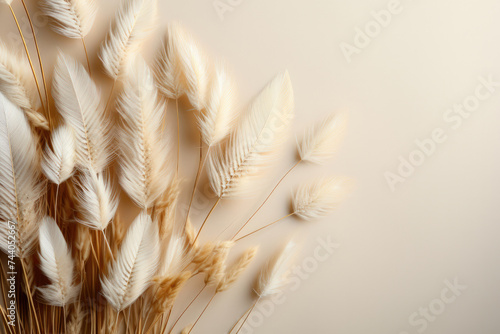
(398, 249)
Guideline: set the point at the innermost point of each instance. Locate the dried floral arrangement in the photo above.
(65, 151)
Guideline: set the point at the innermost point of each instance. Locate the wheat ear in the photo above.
(234, 272)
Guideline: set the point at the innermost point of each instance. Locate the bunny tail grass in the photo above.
(16, 84)
(20, 188)
(97, 200)
(57, 264)
(145, 159)
(259, 133)
(321, 141)
(318, 198)
(59, 161)
(274, 275)
(70, 18)
(131, 273)
(133, 22)
(77, 100)
(218, 117)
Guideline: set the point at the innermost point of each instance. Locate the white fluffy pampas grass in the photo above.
(217, 119)
(321, 141)
(57, 264)
(77, 100)
(133, 22)
(17, 84)
(145, 159)
(257, 136)
(274, 276)
(20, 187)
(130, 274)
(318, 198)
(71, 18)
(59, 161)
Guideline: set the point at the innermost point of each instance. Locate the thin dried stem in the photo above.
(202, 312)
(201, 165)
(246, 318)
(187, 307)
(178, 135)
(29, 58)
(39, 60)
(206, 218)
(30, 295)
(266, 226)
(267, 198)
(86, 55)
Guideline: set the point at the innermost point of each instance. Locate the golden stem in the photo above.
(86, 56)
(248, 314)
(201, 164)
(39, 61)
(268, 196)
(199, 317)
(30, 297)
(28, 55)
(187, 307)
(266, 226)
(178, 135)
(206, 218)
(110, 95)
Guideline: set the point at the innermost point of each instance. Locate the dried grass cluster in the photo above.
(63, 159)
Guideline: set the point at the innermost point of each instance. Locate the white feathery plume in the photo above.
(144, 149)
(20, 188)
(274, 276)
(133, 22)
(71, 18)
(259, 133)
(321, 141)
(77, 100)
(97, 201)
(318, 198)
(174, 256)
(216, 120)
(167, 68)
(57, 264)
(130, 273)
(7, 2)
(59, 161)
(194, 68)
(17, 84)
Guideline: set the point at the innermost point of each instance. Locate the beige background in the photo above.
(397, 248)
